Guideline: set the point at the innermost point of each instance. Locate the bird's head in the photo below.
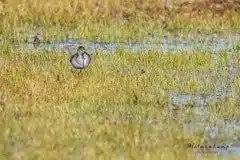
(80, 49)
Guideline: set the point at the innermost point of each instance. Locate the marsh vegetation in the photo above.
(115, 108)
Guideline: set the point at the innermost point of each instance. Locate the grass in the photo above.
(113, 109)
(116, 107)
(112, 20)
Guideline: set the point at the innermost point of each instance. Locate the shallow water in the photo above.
(168, 42)
(220, 132)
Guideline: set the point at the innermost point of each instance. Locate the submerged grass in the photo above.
(113, 109)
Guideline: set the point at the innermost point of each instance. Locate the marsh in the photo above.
(145, 53)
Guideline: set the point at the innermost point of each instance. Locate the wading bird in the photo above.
(81, 59)
(34, 40)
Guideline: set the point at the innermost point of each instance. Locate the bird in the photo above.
(81, 59)
(34, 40)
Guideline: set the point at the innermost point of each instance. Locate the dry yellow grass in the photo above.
(114, 19)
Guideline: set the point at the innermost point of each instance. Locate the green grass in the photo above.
(116, 107)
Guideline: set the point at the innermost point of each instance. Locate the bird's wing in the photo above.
(75, 63)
